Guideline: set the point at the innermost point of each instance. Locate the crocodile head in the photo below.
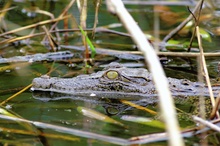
(114, 81)
(117, 81)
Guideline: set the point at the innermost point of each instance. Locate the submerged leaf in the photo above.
(175, 45)
(145, 121)
(96, 115)
(205, 35)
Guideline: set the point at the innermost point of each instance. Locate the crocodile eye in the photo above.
(185, 82)
(112, 75)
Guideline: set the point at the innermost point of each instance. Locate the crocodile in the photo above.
(51, 56)
(119, 82)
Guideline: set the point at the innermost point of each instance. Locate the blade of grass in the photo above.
(89, 42)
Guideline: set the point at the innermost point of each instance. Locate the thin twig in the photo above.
(215, 108)
(194, 31)
(52, 42)
(182, 54)
(196, 24)
(202, 58)
(139, 107)
(7, 9)
(83, 18)
(96, 20)
(161, 2)
(206, 123)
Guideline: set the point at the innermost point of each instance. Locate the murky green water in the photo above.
(64, 112)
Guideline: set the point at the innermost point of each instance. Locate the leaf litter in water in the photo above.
(96, 115)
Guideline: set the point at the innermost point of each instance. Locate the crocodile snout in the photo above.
(43, 82)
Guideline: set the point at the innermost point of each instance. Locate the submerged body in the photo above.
(117, 81)
(51, 56)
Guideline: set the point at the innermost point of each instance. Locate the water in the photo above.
(14, 77)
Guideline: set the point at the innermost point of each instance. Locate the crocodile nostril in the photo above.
(198, 85)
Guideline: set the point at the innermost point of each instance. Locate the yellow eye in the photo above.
(112, 75)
